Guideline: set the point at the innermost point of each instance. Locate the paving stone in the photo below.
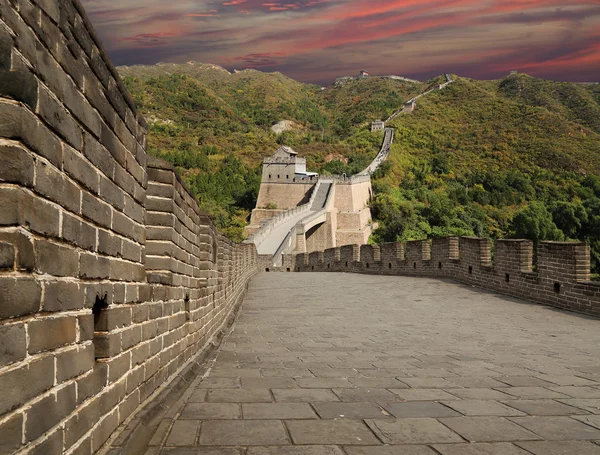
(428, 383)
(577, 392)
(476, 382)
(532, 393)
(239, 396)
(543, 407)
(523, 381)
(423, 394)
(236, 373)
(278, 411)
(378, 383)
(592, 420)
(350, 411)
(198, 396)
(560, 447)
(483, 429)
(295, 450)
(323, 383)
(480, 394)
(303, 395)
(368, 395)
(196, 451)
(286, 373)
(482, 408)
(591, 405)
(243, 433)
(420, 409)
(336, 432)
(211, 411)
(183, 433)
(268, 383)
(220, 383)
(483, 448)
(390, 450)
(412, 431)
(565, 380)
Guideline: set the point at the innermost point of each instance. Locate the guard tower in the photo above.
(285, 184)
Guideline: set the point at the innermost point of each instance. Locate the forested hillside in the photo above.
(518, 157)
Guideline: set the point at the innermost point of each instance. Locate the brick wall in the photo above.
(561, 279)
(111, 280)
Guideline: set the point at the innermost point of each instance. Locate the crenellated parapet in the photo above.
(560, 279)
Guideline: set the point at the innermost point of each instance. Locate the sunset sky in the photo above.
(319, 40)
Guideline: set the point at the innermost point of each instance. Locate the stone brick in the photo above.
(22, 247)
(50, 333)
(13, 343)
(56, 187)
(82, 35)
(12, 432)
(26, 382)
(74, 362)
(94, 209)
(109, 243)
(93, 266)
(52, 444)
(109, 140)
(111, 193)
(107, 344)
(79, 233)
(53, 112)
(56, 259)
(38, 215)
(77, 425)
(7, 256)
(118, 367)
(78, 167)
(18, 123)
(113, 318)
(92, 383)
(63, 296)
(20, 85)
(99, 156)
(86, 327)
(103, 431)
(19, 296)
(49, 411)
(17, 165)
(132, 251)
(49, 7)
(9, 200)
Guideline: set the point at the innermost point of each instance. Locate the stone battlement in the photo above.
(111, 279)
(561, 278)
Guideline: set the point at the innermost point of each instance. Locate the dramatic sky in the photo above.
(318, 40)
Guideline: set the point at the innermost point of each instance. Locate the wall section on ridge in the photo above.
(111, 279)
(561, 278)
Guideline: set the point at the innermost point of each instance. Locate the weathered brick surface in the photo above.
(111, 279)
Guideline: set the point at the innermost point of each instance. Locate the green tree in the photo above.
(534, 222)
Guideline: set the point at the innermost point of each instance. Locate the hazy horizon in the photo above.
(318, 40)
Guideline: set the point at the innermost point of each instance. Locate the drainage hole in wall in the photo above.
(470, 270)
(390, 265)
(267, 269)
(288, 269)
(346, 264)
(313, 267)
(328, 265)
(557, 287)
(367, 265)
(415, 265)
(507, 277)
(439, 265)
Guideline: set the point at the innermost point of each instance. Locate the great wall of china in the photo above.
(112, 282)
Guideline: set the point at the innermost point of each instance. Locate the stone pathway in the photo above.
(333, 364)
